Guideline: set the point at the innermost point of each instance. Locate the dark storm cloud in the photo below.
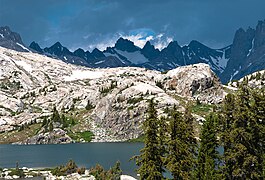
(99, 23)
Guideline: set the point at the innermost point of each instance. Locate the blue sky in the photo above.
(99, 23)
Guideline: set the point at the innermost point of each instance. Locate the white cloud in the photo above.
(103, 44)
(139, 39)
(161, 41)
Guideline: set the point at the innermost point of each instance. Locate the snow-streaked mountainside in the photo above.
(244, 56)
(31, 85)
(125, 53)
(254, 80)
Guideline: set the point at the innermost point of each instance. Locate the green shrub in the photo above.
(62, 170)
(113, 173)
(134, 100)
(17, 172)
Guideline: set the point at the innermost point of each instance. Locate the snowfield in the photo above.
(79, 74)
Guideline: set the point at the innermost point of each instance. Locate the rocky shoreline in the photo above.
(36, 173)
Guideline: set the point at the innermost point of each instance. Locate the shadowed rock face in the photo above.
(194, 80)
(247, 53)
(11, 40)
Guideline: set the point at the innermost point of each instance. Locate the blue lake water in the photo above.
(86, 155)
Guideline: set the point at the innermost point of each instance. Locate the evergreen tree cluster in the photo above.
(113, 173)
(243, 134)
(47, 123)
(69, 168)
(168, 146)
(237, 127)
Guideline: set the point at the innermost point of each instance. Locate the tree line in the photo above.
(237, 127)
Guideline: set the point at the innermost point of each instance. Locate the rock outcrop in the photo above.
(32, 84)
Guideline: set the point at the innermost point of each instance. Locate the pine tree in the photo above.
(64, 121)
(226, 121)
(50, 126)
(208, 155)
(258, 129)
(180, 160)
(190, 141)
(150, 160)
(55, 115)
(174, 145)
(44, 122)
(243, 157)
(115, 172)
(162, 136)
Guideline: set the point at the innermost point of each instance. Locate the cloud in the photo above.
(160, 41)
(87, 23)
(139, 40)
(160, 44)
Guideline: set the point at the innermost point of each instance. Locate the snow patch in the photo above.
(115, 55)
(99, 62)
(143, 87)
(135, 57)
(230, 87)
(2, 35)
(23, 47)
(235, 73)
(127, 177)
(79, 74)
(24, 65)
(252, 47)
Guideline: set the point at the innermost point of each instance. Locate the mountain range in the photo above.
(244, 56)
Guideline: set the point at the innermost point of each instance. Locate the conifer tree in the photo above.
(258, 129)
(150, 160)
(180, 159)
(208, 155)
(226, 121)
(55, 115)
(162, 137)
(243, 140)
(174, 145)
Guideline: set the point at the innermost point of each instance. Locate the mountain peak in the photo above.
(57, 44)
(195, 44)
(147, 44)
(58, 50)
(35, 46)
(96, 53)
(149, 51)
(125, 45)
(172, 45)
(80, 53)
(260, 34)
(5, 28)
(11, 40)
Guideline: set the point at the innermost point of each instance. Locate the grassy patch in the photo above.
(202, 109)
(86, 135)
(15, 136)
(36, 109)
